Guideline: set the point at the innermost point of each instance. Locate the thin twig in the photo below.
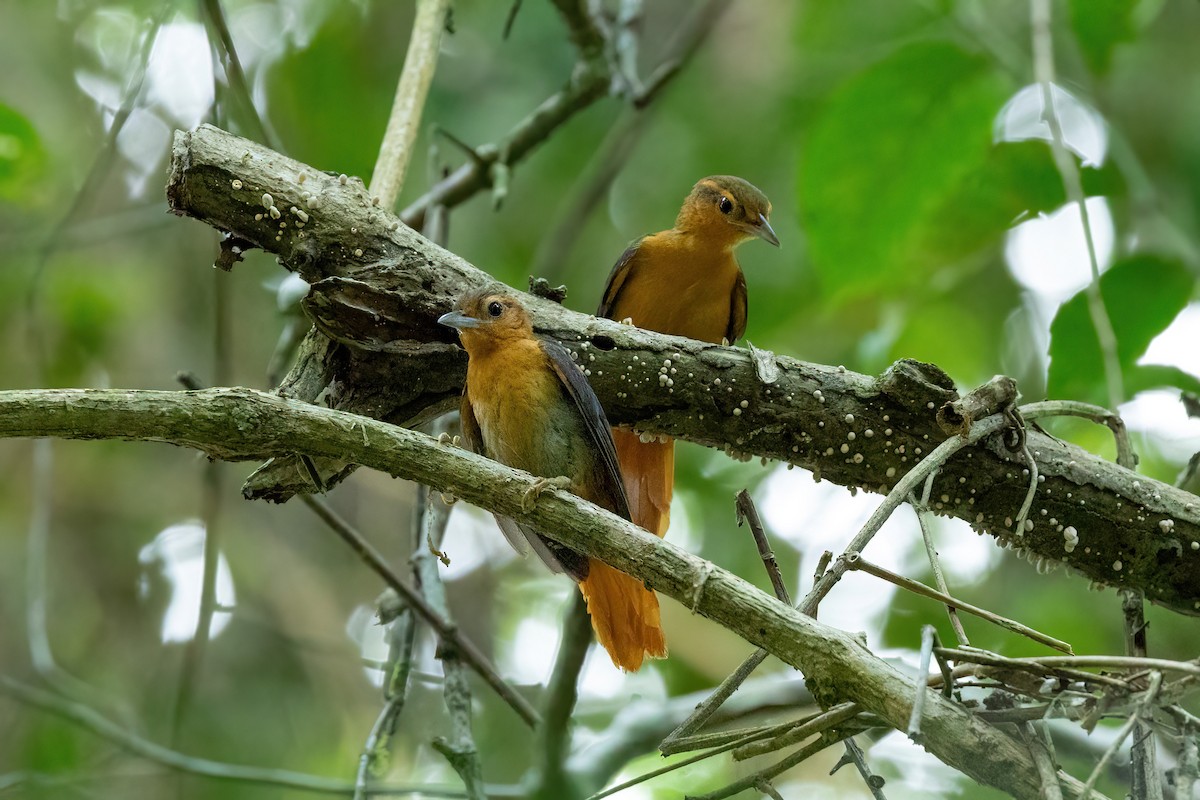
(449, 634)
(766, 788)
(747, 512)
(1036, 739)
(822, 565)
(803, 754)
(1068, 170)
(1020, 525)
(1126, 729)
(1086, 662)
(903, 488)
(93, 721)
(405, 121)
(1098, 414)
(857, 562)
(215, 15)
(1146, 783)
(460, 748)
(855, 755)
(924, 520)
(928, 634)
(835, 717)
(212, 498)
(722, 747)
(553, 736)
(401, 636)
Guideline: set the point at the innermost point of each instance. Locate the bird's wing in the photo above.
(738, 306)
(599, 432)
(616, 279)
(521, 537)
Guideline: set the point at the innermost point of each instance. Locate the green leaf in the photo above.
(21, 154)
(1018, 180)
(893, 145)
(1158, 376)
(1101, 25)
(1143, 294)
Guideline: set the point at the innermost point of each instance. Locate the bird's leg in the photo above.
(530, 498)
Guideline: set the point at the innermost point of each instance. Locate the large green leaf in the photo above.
(21, 154)
(1101, 25)
(1143, 294)
(893, 144)
(1018, 180)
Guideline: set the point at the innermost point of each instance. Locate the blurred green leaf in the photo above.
(1143, 294)
(1101, 25)
(892, 146)
(1156, 376)
(331, 99)
(21, 154)
(1018, 179)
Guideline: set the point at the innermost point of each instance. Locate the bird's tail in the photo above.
(624, 615)
(648, 471)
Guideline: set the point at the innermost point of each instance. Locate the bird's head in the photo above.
(729, 209)
(483, 317)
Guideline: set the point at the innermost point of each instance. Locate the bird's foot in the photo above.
(626, 321)
(445, 438)
(530, 498)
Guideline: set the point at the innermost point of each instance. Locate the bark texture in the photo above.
(378, 288)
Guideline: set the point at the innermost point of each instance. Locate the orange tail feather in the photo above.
(624, 615)
(648, 471)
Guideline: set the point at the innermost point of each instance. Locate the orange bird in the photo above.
(686, 282)
(527, 405)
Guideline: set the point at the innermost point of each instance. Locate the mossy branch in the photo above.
(240, 424)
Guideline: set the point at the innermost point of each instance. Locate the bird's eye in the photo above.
(495, 308)
(725, 205)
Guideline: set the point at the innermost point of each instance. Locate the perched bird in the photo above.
(686, 282)
(527, 405)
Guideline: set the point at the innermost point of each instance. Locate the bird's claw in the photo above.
(530, 498)
(445, 438)
(626, 321)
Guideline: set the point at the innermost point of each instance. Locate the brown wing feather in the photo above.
(738, 308)
(616, 279)
(594, 421)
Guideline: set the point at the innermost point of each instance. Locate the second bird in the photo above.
(684, 281)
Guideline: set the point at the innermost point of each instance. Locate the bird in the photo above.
(528, 405)
(684, 281)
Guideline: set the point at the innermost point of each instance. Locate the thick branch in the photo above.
(379, 287)
(238, 424)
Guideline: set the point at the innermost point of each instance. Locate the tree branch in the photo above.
(93, 721)
(405, 120)
(239, 424)
(380, 287)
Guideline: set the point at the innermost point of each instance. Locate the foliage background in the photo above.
(910, 228)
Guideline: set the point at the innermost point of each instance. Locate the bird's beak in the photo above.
(764, 231)
(458, 320)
